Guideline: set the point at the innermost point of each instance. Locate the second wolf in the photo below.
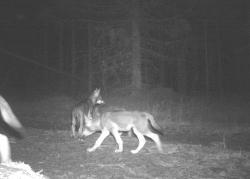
(116, 122)
(83, 108)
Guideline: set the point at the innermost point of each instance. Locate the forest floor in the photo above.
(192, 148)
(60, 156)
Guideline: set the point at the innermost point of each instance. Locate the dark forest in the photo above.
(186, 62)
(192, 47)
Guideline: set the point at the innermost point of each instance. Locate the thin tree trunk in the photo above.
(61, 56)
(45, 51)
(136, 51)
(60, 44)
(181, 74)
(219, 61)
(73, 56)
(206, 59)
(103, 70)
(162, 73)
(90, 76)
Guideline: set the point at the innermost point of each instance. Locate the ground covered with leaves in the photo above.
(192, 148)
(60, 156)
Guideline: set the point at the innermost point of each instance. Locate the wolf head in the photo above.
(96, 97)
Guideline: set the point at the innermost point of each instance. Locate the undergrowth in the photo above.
(224, 117)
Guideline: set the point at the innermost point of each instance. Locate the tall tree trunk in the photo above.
(181, 69)
(104, 67)
(45, 54)
(73, 56)
(90, 75)
(181, 75)
(219, 56)
(206, 59)
(162, 72)
(60, 51)
(60, 45)
(136, 51)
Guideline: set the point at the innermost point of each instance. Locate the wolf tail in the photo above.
(10, 118)
(150, 118)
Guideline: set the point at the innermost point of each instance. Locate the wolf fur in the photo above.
(83, 108)
(10, 121)
(116, 122)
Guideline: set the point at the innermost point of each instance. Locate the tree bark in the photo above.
(206, 60)
(61, 56)
(60, 44)
(136, 51)
(181, 69)
(90, 76)
(73, 56)
(181, 75)
(45, 52)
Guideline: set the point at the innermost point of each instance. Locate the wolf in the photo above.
(116, 122)
(10, 124)
(82, 108)
(100, 109)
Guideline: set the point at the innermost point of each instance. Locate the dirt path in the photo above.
(60, 156)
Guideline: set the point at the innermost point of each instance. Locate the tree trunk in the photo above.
(206, 60)
(136, 51)
(73, 57)
(181, 75)
(45, 52)
(181, 70)
(162, 73)
(90, 76)
(60, 44)
(219, 56)
(104, 67)
(61, 59)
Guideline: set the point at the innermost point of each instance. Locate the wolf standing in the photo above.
(82, 109)
(120, 121)
(8, 120)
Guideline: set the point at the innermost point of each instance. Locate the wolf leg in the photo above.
(80, 130)
(99, 141)
(87, 132)
(119, 141)
(5, 153)
(156, 139)
(141, 139)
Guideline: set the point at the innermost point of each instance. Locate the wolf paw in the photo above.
(80, 140)
(90, 149)
(134, 151)
(118, 150)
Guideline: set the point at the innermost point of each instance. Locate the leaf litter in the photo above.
(60, 156)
